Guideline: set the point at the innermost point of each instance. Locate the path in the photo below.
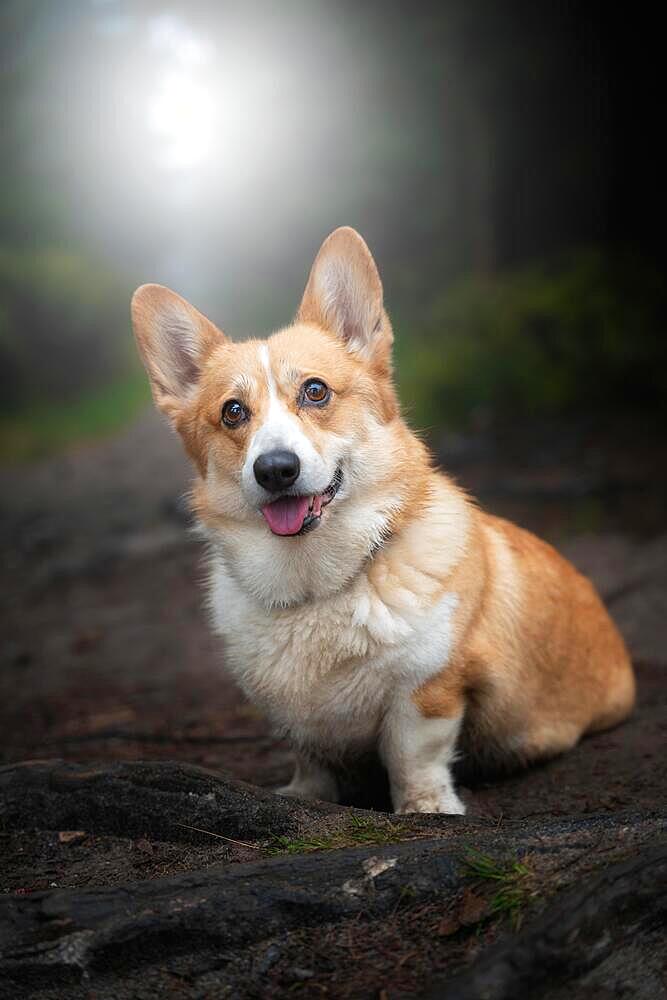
(106, 656)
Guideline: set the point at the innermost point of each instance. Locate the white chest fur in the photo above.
(326, 671)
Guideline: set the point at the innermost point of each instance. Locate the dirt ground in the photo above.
(106, 653)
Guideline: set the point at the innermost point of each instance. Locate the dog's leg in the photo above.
(418, 753)
(311, 780)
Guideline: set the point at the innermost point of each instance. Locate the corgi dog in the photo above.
(366, 604)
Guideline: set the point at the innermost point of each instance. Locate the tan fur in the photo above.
(407, 607)
(539, 661)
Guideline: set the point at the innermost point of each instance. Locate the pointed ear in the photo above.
(344, 294)
(174, 339)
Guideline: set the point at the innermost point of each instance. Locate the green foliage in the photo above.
(574, 336)
(62, 325)
(46, 427)
(513, 880)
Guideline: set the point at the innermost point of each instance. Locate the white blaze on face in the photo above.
(282, 430)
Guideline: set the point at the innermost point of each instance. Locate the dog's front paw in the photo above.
(291, 792)
(314, 794)
(304, 792)
(311, 780)
(438, 801)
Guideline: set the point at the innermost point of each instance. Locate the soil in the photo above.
(107, 656)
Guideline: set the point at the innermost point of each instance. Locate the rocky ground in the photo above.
(106, 658)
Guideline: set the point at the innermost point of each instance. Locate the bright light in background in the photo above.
(181, 111)
(181, 114)
(226, 139)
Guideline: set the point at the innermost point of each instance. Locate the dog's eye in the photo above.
(234, 413)
(315, 391)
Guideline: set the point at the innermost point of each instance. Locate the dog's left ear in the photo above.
(344, 295)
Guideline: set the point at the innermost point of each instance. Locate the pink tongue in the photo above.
(286, 516)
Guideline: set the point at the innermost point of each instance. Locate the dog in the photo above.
(366, 603)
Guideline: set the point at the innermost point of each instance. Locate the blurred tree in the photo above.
(467, 140)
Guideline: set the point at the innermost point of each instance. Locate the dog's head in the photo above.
(294, 432)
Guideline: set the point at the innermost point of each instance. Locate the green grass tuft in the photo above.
(513, 879)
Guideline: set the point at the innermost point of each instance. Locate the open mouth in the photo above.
(295, 515)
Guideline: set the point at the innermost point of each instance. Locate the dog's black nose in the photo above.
(277, 470)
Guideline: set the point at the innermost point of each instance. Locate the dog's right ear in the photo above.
(174, 340)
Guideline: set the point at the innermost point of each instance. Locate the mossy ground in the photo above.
(357, 831)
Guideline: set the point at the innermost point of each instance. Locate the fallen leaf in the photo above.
(72, 836)
(473, 908)
(448, 926)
